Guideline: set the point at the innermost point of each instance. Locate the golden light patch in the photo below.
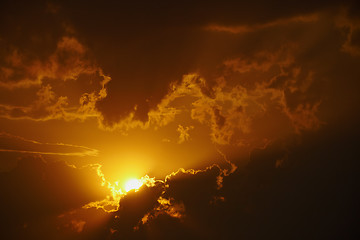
(133, 184)
(111, 203)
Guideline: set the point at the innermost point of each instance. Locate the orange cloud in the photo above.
(68, 62)
(184, 133)
(304, 117)
(262, 61)
(231, 110)
(11, 143)
(351, 27)
(256, 27)
(245, 85)
(78, 226)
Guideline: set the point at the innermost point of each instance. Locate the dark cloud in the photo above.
(37, 190)
(298, 187)
(43, 62)
(279, 79)
(133, 207)
(145, 47)
(65, 84)
(294, 188)
(150, 45)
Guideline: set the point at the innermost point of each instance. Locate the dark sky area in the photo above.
(237, 119)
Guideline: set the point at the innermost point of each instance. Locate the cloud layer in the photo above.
(257, 102)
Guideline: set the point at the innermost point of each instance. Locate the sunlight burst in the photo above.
(133, 184)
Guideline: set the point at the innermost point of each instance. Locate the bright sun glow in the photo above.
(133, 184)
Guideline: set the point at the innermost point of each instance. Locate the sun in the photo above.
(133, 183)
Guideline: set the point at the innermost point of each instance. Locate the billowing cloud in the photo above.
(261, 195)
(232, 112)
(255, 102)
(67, 62)
(60, 82)
(272, 68)
(271, 81)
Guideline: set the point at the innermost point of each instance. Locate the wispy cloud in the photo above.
(12, 143)
(238, 29)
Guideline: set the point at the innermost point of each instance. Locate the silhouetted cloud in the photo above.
(302, 182)
(37, 190)
(301, 197)
(270, 87)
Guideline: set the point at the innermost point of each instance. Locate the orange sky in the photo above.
(96, 93)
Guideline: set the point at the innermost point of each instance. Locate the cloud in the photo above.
(193, 188)
(351, 27)
(271, 81)
(69, 62)
(138, 210)
(256, 27)
(243, 76)
(285, 30)
(233, 111)
(272, 64)
(11, 143)
(258, 195)
(261, 195)
(36, 190)
(78, 226)
(184, 133)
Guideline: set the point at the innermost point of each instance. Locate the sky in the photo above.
(179, 120)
